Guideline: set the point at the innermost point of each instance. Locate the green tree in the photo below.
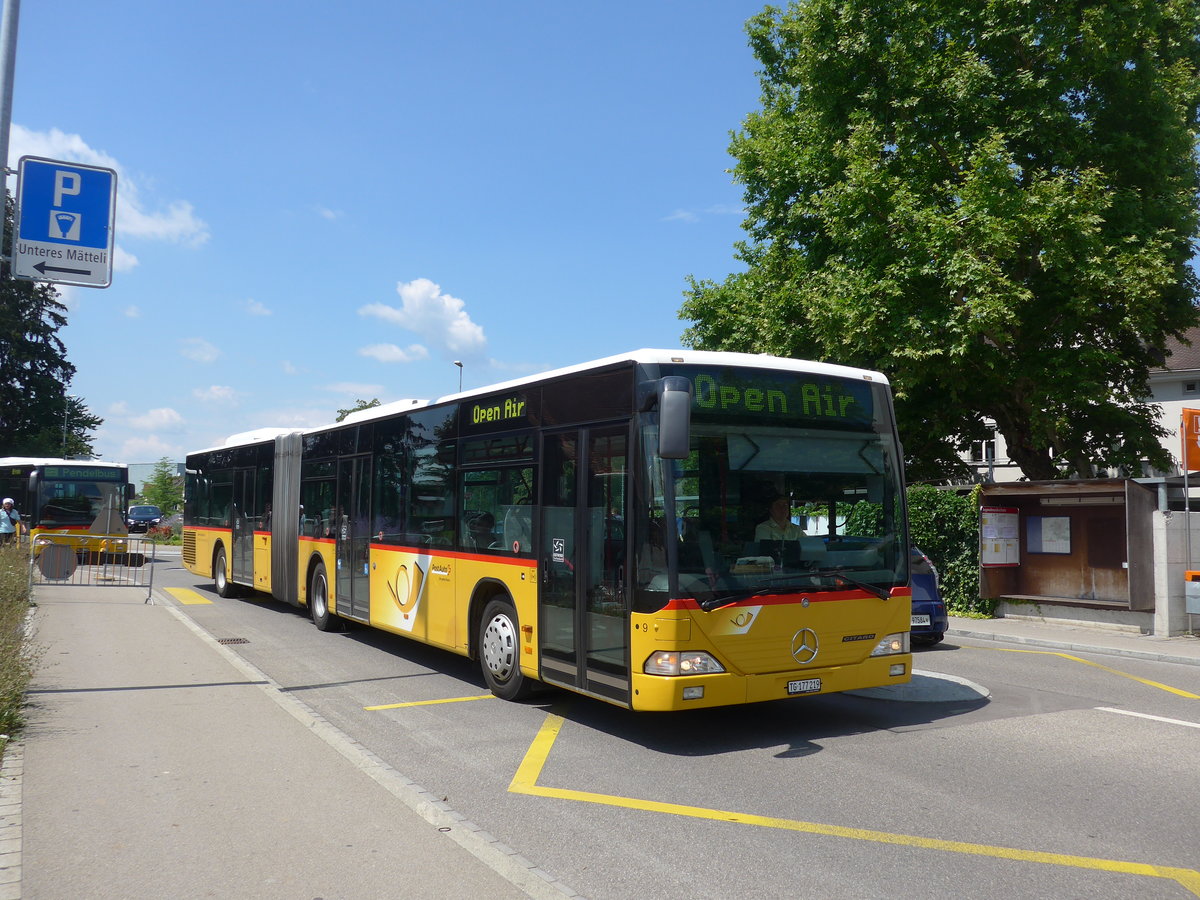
(994, 203)
(164, 488)
(35, 373)
(358, 404)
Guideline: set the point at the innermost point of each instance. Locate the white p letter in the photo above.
(65, 183)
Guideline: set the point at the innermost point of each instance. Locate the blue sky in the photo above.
(322, 202)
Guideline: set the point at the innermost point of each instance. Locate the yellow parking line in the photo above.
(187, 596)
(1087, 662)
(525, 782)
(429, 702)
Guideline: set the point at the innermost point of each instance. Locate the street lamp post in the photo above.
(460, 371)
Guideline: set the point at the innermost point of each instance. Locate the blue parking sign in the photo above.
(65, 214)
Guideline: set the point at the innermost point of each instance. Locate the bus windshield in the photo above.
(790, 485)
(73, 501)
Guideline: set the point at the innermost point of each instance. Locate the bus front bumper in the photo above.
(663, 693)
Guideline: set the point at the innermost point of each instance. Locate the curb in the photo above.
(12, 771)
(1151, 655)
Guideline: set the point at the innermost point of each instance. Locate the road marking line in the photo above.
(1129, 712)
(1088, 662)
(429, 702)
(526, 777)
(187, 596)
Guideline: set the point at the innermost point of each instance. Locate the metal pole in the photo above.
(8, 66)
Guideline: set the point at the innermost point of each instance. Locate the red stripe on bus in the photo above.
(785, 599)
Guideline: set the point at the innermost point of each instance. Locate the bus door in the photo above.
(352, 531)
(583, 613)
(241, 563)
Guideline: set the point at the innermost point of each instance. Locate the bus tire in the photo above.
(318, 600)
(221, 580)
(500, 651)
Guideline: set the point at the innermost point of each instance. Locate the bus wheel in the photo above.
(221, 575)
(499, 651)
(318, 600)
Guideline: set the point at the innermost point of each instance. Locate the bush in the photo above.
(18, 654)
(946, 526)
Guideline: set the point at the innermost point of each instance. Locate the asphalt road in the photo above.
(1059, 775)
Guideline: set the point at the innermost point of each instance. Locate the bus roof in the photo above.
(643, 356)
(686, 357)
(50, 461)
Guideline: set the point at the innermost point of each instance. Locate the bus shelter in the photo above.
(1102, 551)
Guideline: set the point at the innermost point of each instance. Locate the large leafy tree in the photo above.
(37, 416)
(164, 487)
(993, 202)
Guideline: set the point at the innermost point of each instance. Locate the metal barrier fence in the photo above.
(93, 560)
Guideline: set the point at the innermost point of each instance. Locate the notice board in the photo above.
(999, 536)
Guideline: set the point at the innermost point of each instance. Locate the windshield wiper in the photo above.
(843, 580)
(797, 580)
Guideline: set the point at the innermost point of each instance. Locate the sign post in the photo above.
(64, 225)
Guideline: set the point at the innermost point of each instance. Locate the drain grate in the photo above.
(232, 641)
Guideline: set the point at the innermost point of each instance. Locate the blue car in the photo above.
(929, 619)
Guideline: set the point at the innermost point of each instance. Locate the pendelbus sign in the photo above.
(64, 228)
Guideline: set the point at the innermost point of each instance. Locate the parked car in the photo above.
(929, 619)
(143, 518)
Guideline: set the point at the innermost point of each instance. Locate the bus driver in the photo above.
(779, 525)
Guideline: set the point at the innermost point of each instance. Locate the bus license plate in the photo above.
(804, 686)
(920, 620)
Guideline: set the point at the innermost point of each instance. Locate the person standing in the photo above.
(10, 522)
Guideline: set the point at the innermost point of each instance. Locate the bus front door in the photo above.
(241, 563)
(352, 523)
(583, 612)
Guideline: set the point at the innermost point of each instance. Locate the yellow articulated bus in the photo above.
(68, 497)
(660, 530)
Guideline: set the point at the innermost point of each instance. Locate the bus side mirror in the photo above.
(674, 417)
(130, 493)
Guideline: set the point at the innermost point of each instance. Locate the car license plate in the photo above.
(804, 686)
(920, 620)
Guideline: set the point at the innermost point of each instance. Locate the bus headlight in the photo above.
(892, 644)
(689, 662)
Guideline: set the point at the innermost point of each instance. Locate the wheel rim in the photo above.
(320, 606)
(500, 647)
(221, 577)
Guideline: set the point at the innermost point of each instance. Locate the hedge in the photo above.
(945, 525)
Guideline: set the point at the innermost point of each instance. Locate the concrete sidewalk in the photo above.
(157, 764)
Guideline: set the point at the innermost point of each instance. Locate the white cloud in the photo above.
(162, 419)
(691, 216)
(390, 353)
(69, 296)
(149, 447)
(439, 318)
(132, 312)
(254, 308)
(199, 350)
(120, 408)
(330, 214)
(215, 393)
(289, 368)
(176, 223)
(350, 388)
(123, 261)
